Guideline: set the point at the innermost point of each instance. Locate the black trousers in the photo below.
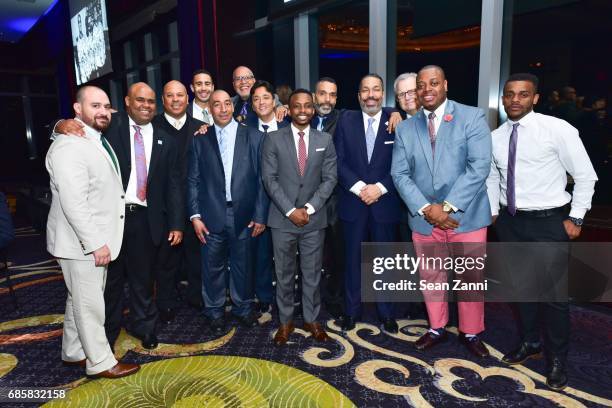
(333, 263)
(556, 322)
(192, 265)
(134, 263)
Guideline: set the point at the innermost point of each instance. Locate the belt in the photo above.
(540, 213)
(229, 204)
(134, 207)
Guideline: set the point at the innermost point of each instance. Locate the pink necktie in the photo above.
(302, 155)
(141, 165)
(432, 131)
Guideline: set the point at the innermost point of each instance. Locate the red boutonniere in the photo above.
(448, 117)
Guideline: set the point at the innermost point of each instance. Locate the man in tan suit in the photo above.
(85, 230)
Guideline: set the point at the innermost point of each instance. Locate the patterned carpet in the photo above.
(364, 367)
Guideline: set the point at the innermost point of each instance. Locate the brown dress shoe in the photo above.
(474, 345)
(317, 331)
(429, 340)
(78, 363)
(118, 370)
(282, 335)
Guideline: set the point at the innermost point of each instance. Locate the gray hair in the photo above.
(403, 76)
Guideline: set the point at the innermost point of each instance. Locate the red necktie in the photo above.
(302, 155)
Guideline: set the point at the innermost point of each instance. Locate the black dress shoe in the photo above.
(264, 307)
(248, 321)
(167, 315)
(149, 341)
(218, 326)
(347, 323)
(196, 304)
(557, 377)
(474, 345)
(334, 309)
(524, 352)
(429, 340)
(390, 325)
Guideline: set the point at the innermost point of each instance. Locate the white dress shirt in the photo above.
(201, 114)
(547, 148)
(356, 188)
(147, 136)
(296, 139)
(227, 153)
(272, 125)
(176, 123)
(439, 115)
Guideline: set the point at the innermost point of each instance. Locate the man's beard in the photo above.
(99, 126)
(324, 109)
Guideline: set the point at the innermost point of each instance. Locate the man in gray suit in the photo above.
(299, 173)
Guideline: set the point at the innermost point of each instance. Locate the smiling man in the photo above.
(299, 173)
(202, 87)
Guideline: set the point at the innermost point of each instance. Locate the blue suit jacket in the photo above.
(353, 166)
(206, 181)
(457, 173)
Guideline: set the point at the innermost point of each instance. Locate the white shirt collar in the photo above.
(376, 118)
(296, 130)
(439, 110)
(231, 126)
(180, 120)
(524, 121)
(146, 127)
(89, 131)
(270, 123)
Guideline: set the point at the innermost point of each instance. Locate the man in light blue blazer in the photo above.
(441, 160)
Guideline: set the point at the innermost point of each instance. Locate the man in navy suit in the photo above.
(228, 207)
(263, 103)
(368, 204)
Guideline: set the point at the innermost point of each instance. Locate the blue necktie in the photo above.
(320, 125)
(370, 138)
(225, 161)
(265, 128)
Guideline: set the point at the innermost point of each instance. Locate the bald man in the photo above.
(243, 80)
(178, 122)
(154, 209)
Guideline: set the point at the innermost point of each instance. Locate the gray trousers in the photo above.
(286, 245)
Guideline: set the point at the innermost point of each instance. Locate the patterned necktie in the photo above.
(370, 138)
(302, 155)
(224, 160)
(510, 178)
(265, 128)
(320, 125)
(177, 125)
(431, 126)
(243, 110)
(205, 116)
(109, 151)
(141, 165)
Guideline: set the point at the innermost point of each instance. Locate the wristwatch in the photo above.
(447, 207)
(576, 221)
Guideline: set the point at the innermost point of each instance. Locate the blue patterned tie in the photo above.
(370, 138)
(320, 125)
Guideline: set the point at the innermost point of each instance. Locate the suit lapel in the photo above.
(215, 145)
(240, 146)
(444, 132)
(380, 136)
(360, 141)
(312, 137)
(158, 145)
(100, 147)
(290, 143)
(423, 135)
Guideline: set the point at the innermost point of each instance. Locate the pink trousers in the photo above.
(471, 314)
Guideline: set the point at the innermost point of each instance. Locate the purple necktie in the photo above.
(243, 110)
(141, 165)
(510, 192)
(431, 126)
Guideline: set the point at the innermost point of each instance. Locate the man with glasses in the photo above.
(243, 80)
(405, 93)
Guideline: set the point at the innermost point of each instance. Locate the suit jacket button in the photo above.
(122, 197)
(121, 216)
(301, 185)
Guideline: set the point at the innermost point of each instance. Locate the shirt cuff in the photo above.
(383, 190)
(422, 208)
(494, 211)
(356, 189)
(309, 209)
(56, 123)
(577, 213)
(290, 212)
(195, 216)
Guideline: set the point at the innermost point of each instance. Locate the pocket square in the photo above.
(320, 149)
(160, 142)
(389, 141)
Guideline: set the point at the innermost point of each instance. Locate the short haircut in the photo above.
(373, 75)
(300, 91)
(436, 67)
(80, 95)
(403, 76)
(262, 84)
(325, 79)
(201, 71)
(525, 76)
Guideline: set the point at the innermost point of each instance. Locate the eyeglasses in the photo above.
(243, 78)
(402, 95)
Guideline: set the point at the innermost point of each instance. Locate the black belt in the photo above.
(229, 204)
(549, 212)
(134, 207)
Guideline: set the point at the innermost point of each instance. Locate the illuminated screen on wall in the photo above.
(90, 43)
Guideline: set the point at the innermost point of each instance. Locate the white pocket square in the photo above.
(320, 149)
(160, 142)
(389, 141)
(387, 123)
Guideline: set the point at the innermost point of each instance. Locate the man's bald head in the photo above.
(243, 79)
(221, 107)
(175, 99)
(140, 103)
